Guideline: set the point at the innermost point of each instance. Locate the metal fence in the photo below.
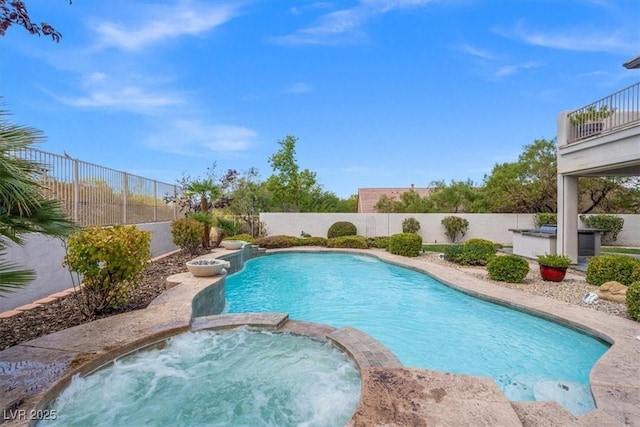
(612, 113)
(96, 195)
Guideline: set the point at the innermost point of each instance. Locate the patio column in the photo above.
(567, 242)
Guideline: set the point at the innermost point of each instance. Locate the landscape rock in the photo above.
(613, 291)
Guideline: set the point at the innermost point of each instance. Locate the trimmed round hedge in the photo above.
(405, 244)
(508, 268)
(633, 300)
(619, 268)
(342, 228)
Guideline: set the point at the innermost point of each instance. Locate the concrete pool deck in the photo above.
(391, 394)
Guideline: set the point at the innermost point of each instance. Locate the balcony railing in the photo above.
(609, 114)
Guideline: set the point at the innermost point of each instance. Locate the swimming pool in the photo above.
(424, 322)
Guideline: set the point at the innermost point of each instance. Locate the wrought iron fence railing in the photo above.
(97, 195)
(609, 114)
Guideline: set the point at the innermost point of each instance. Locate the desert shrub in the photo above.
(612, 223)
(228, 226)
(110, 262)
(353, 242)
(542, 218)
(244, 237)
(410, 225)
(508, 268)
(455, 227)
(605, 268)
(633, 300)
(312, 241)
(472, 252)
(275, 242)
(405, 244)
(187, 234)
(381, 242)
(342, 228)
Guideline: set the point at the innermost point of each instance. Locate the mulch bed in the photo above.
(64, 313)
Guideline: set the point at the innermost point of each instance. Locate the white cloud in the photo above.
(102, 91)
(192, 137)
(165, 22)
(507, 70)
(299, 88)
(578, 39)
(346, 25)
(474, 51)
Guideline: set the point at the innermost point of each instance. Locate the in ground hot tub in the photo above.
(240, 376)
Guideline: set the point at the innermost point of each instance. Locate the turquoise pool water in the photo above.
(424, 322)
(240, 377)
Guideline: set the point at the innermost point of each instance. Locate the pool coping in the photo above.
(615, 378)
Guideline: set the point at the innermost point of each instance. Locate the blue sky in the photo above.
(379, 93)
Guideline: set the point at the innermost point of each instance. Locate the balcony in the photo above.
(602, 138)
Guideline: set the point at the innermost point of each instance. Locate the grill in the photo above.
(549, 229)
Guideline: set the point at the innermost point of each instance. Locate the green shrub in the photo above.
(405, 244)
(381, 242)
(275, 242)
(633, 300)
(228, 226)
(244, 237)
(410, 225)
(544, 218)
(455, 227)
(609, 222)
(110, 262)
(312, 241)
(554, 260)
(472, 252)
(508, 268)
(353, 242)
(605, 268)
(342, 228)
(187, 234)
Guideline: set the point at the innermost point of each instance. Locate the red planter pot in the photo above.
(552, 274)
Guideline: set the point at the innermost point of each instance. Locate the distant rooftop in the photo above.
(633, 63)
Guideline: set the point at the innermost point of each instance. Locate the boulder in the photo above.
(613, 291)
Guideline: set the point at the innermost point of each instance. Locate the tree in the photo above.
(458, 196)
(289, 186)
(527, 185)
(14, 12)
(24, 207)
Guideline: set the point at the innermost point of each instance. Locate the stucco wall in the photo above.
(44, 255)
(494, 227)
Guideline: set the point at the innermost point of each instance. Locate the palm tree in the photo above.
(205, 192)
(24, 207)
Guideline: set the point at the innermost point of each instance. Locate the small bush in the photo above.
(405, 244)
(410, 225)
(605, 268)
(610, 222)
(544, 218)
(455, 227)
(508, 268)
(472, 252)
(353, 242)
(312, 241)
(633, 300)
(187, 234)
(244, 237)
(275, 242)
(110, 261)
(378, 242)
(228, 226)
(342, 228)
